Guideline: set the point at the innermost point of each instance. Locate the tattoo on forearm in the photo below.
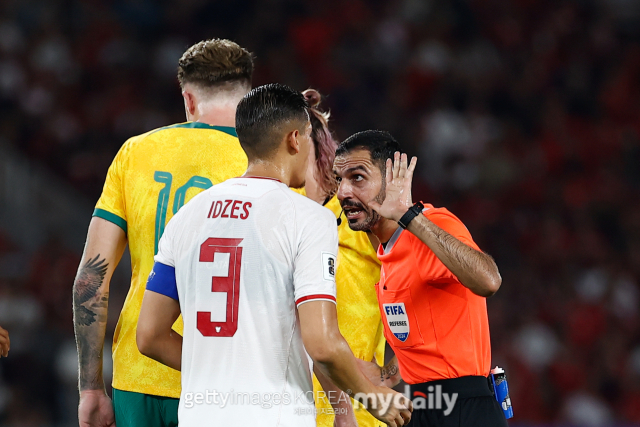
(90, 318)
(90, 278)
(386, 372)
(88, 281)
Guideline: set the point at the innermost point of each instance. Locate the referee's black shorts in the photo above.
(473, 406)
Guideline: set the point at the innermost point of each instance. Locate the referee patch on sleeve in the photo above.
(329, 266)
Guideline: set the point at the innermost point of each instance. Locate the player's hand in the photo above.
(378, 375)
(5, 343)
(398, 412)
(398, 188)
(95, 409)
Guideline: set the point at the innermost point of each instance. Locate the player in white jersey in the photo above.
(251, 267)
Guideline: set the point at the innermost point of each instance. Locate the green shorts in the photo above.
(144, 410)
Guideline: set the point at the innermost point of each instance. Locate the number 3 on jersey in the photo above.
(220, 262)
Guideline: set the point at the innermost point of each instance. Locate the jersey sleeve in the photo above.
(111, 205)
(452, 225)
(315, 264)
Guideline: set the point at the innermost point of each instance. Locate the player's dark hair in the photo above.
(380, 144)
(214, 62)
(261, 114)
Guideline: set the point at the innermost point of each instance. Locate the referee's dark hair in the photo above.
(380, 144)
(262, 117)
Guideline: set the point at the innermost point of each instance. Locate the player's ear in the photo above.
(293, 144)
(189, 103)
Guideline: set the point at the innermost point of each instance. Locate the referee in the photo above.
(433, 284)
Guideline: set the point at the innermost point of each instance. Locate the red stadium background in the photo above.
(524, 115)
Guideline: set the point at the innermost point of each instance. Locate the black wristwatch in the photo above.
(413, 212)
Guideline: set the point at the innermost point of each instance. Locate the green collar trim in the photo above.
(198, 125)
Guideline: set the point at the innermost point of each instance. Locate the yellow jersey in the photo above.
(152, 176)
(358, 313)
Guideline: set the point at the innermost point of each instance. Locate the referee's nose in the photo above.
(345, 191)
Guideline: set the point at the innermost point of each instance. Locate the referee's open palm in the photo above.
(398, 188)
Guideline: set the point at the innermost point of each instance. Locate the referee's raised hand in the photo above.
(398, 187)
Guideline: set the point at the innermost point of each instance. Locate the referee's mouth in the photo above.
(354, 211)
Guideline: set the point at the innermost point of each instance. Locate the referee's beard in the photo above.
(372, 217)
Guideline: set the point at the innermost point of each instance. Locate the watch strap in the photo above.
(413, 212)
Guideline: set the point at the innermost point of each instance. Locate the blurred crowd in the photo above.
(524, 115)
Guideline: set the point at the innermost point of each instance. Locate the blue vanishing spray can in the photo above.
(501, 391)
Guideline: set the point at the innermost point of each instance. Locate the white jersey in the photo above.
(246, 253)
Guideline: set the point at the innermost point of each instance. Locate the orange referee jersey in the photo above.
(437, 328)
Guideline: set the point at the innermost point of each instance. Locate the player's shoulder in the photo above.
(307, 209)
(277, 193)
(169, 131)
(131, 143)
(191, 126)
(196, 208)
(212, 193)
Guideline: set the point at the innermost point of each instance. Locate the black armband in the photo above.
(413, 212)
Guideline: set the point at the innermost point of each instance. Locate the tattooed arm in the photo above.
(105, 244)
(387, 375)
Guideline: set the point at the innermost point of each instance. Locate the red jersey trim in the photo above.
(315, 297)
